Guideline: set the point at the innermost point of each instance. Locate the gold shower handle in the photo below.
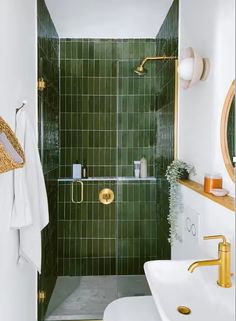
(106, 196)
(81, 192)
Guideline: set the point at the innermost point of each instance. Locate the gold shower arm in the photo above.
(157, 58)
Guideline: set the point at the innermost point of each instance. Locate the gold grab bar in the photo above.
(81, 194)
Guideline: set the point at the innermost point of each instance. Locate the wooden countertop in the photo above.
(226, 201)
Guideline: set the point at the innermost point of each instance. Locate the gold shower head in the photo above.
(140, 69)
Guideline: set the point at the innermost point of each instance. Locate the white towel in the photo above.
(21, 212)
(30, 209)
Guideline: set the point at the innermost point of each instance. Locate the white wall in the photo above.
(211, 219)
(17, 83)
(207, 26)
(108, 19)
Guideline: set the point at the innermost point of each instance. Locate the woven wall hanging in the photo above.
(11, 153)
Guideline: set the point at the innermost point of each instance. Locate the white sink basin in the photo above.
(172, 285)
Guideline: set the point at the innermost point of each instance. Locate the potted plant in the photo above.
(175, 171)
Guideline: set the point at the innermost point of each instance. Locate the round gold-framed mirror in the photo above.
(227, 131)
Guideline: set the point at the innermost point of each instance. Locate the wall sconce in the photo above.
(192, 68)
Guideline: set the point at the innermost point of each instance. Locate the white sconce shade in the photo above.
(192, 68)
(186, 68)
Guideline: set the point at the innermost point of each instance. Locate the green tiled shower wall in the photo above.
(97, 85)
(97, 239)
(110, 117)
(136, 126)
(141, 225)
(48, 124)
(108, 121)
(94, 239)
(166, 44)
(86, 232)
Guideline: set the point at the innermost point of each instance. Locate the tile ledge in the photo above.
(107, 178)
(226, 201)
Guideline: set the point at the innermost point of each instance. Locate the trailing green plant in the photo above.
(175, 171)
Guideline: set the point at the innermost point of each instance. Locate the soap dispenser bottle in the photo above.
(84, 170)
(143, 169)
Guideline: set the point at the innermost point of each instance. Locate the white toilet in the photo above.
(137, 308)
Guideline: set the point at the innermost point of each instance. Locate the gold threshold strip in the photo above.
(226, 201)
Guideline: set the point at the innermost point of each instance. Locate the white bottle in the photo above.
(143, 170)
(76, 170)
(137, 169)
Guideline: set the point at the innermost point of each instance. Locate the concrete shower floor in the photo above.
(86, 297)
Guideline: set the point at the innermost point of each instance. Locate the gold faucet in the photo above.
(224, 261)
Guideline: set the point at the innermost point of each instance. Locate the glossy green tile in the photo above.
(48, 68)
(111, 136)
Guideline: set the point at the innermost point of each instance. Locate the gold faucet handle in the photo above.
(215, 237)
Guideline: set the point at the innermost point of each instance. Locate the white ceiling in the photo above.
(108, 18)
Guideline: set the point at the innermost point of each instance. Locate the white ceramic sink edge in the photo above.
(172, 285)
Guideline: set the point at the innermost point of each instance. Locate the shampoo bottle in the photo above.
(76, 170)
(137, 169)
(143, 170)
